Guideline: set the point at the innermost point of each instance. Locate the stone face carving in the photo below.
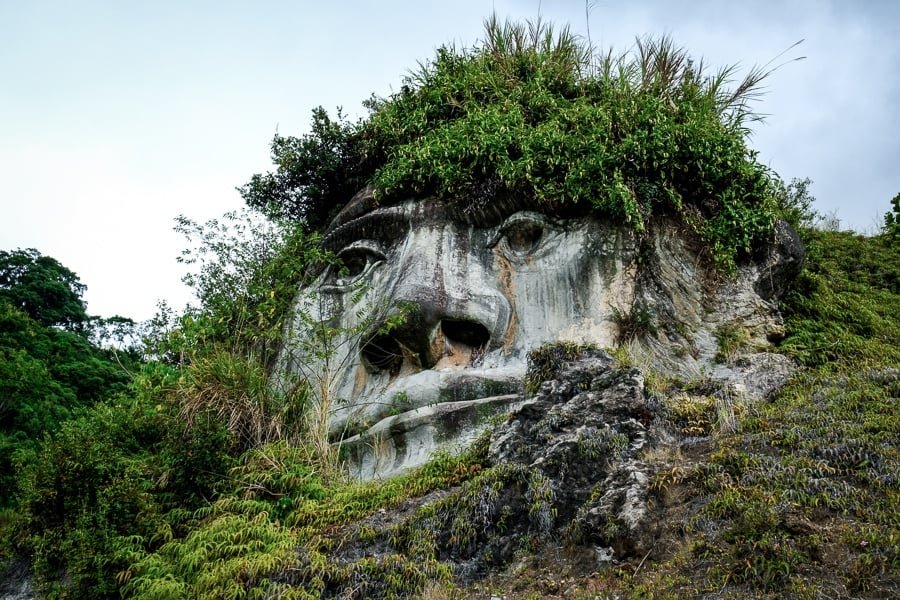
(468, 294)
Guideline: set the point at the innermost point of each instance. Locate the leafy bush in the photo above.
(245, 274)
(796, 204)
(84, 499)
(49, 368)
(316, 174)
(103, 487)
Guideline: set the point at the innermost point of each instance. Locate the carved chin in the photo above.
(442, 407)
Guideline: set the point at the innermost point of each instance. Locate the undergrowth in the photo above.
(804, 500)
(270, 534)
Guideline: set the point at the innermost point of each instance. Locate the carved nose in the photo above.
(451, 306)
(467, 333)
(424, 347)
(383, 353)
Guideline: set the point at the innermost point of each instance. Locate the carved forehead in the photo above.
(363, 217)
(388, 223)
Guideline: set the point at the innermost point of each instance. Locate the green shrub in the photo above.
(106, 485)
(544, 363)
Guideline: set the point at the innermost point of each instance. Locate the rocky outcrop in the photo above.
(577, 466)
(779, 263)
(585, 433)
(15, 581)
(566, 466)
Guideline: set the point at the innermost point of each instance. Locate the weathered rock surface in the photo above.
(757, 376)
(585, 432)
(409, 439)
(577, 468)
(15, 581)
(469, 295)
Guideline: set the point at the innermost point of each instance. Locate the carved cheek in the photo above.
(547, 290)
(506, 284)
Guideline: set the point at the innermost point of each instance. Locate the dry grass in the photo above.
(236, 390)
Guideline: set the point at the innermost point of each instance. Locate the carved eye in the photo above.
(356, 261)
(523, 233)
(523, 238)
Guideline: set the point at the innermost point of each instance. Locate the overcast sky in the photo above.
(117, 116)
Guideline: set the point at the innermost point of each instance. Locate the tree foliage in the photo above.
(113, 481)
(316, 174)
(44, 289)
(892, 221)
(244, 271)
(49, 368)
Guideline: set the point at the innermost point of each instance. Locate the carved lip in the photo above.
(438, 386)
(439, 412)
(434, 387)
(398, 442)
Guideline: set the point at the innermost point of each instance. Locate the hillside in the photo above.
(795, 497)
(202, 467)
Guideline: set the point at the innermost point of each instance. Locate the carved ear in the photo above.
(779, 262)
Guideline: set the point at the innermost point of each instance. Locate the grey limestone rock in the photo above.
(586, 431)
(779, 263)
(565, 467)
(15, 581)
(472, 293)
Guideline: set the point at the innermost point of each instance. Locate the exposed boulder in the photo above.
(15, 581)
(585, 432)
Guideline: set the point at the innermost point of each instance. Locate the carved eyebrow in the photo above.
(384, 225)
(491, 214)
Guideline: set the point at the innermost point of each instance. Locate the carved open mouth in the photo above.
(455, 343)
(408, 394)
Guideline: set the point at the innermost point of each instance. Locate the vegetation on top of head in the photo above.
(534, 114)
(316, 175)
